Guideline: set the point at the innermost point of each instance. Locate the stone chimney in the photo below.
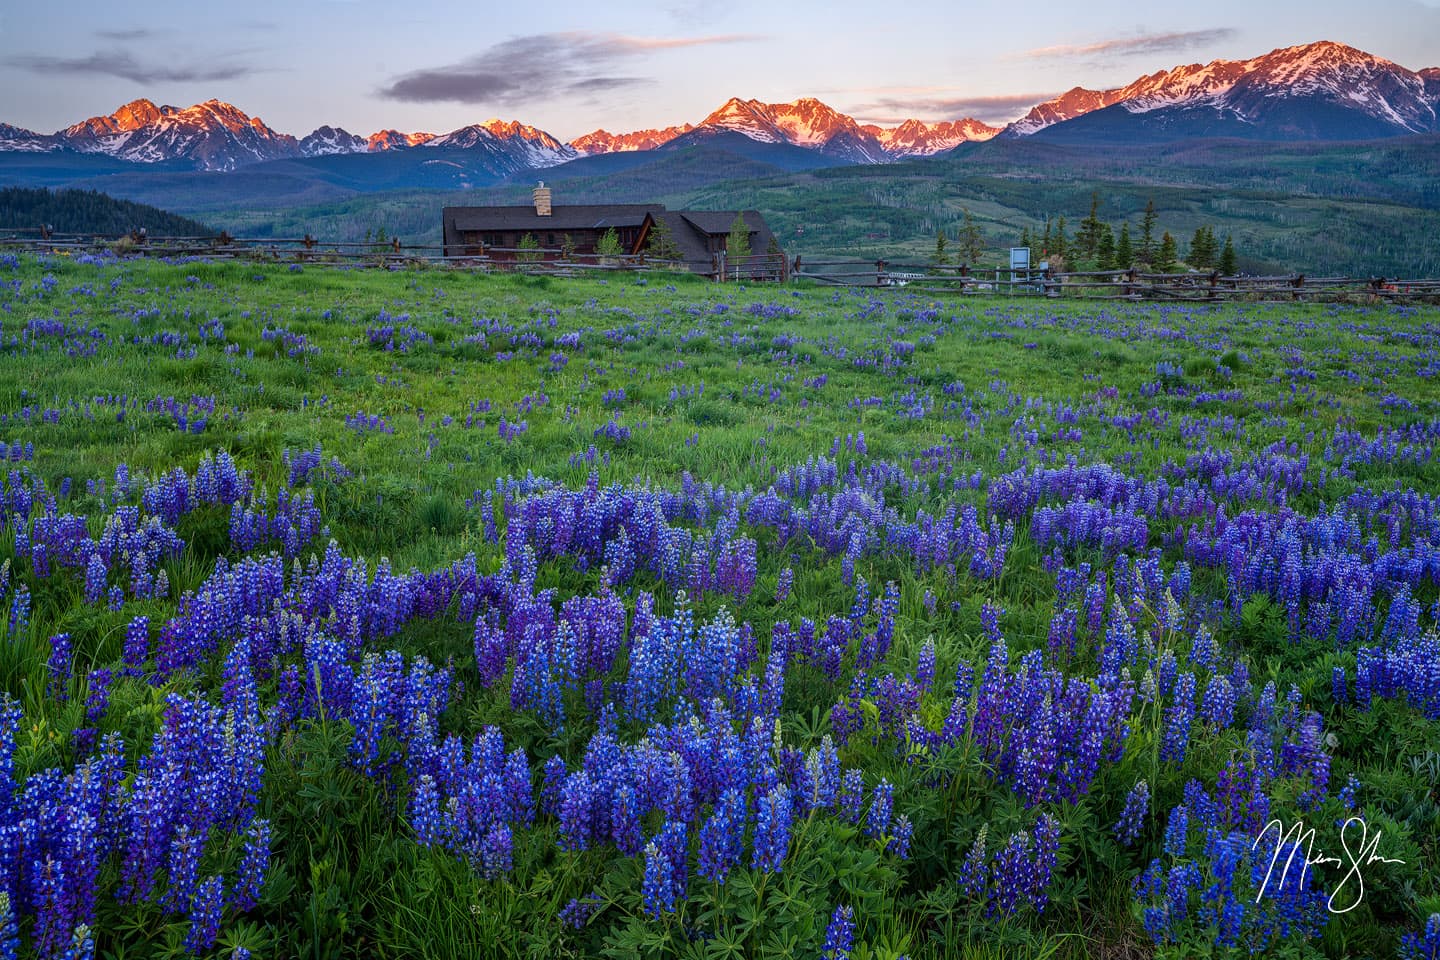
(542, 199)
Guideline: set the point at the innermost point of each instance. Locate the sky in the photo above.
(569, 68)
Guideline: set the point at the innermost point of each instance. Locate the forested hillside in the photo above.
(88, 211)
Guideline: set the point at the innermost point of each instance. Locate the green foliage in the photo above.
(1204, 251)
(88, 211)
(971, 241)
(1147, 232)
(1165, 256)
(528, 248)
(1060, 243)
(940, 257)
(1124, 253)
(1105, 249)
(661, 244)
(1227, 258)
(1087, 238)
(609, 244)
(737, 243)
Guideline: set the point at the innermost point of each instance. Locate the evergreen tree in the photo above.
(1147, 233)
(737, 244)
(1046, 240)
(1227, 258)
(1105, 249)
(567, 247)
(1025, 239)
(940, 257)
(972, 243)
(661, 243)
(1061, 243)
(1202, 249)
(1165, 259)
(1124, 254)
(1087, 238)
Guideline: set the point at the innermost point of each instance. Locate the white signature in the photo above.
(1298, 835)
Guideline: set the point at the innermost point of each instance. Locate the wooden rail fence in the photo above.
(849, 272)
(1109, 284)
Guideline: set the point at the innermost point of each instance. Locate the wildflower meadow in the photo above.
(424, 613)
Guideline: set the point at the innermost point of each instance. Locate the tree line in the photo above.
(89, 211)
(1097, 245)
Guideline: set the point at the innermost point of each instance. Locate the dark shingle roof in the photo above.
(692, 230)
(599, 216)
(718, 221)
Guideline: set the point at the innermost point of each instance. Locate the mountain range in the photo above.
(1318, 91)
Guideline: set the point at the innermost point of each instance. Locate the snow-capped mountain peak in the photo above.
(1324, 81)
(395, 140)
(328, 141)
(749, 117)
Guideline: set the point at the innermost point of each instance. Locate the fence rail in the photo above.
(1110, 284)
(847, 272)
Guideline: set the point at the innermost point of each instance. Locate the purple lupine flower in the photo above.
(1176, 830)
(97, 701)
(964, 680)
(720, 837)
(206, 910)
(1132, 818)
(1219, 707)
(1047, 855)
(60, 664)
(882, 802)
(772, 830)
(9, 929)
(1010, 874)
(625, 827)
(1424, 945)
(925, 665)
(137, 645)
(1348, 792)
(974, 878)
(254, 862)
(901, 833)
(497, 851)
(839, 935)
(1179, 718)
(784, 584)
(579, 910)
(185, 851)
(659, 898)
(425, 816)
(95, 576)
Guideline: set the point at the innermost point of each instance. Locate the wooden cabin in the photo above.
(496, 232)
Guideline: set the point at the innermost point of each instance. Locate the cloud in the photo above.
(124, 36)
(1149, 43)
(116, 63)
(538, 67)
(990, 109)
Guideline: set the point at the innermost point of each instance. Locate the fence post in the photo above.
(879, 273)
(1297, 283)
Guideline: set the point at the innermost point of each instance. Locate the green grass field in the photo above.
(1260, 509)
